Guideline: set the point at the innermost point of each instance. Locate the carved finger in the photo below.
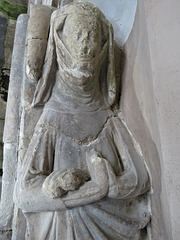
(111, 174)
(54, 175)
(97, 169)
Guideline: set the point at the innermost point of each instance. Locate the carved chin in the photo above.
(77, 73)
(81, 70)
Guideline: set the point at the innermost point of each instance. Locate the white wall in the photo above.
(163, 26)
(150, 106)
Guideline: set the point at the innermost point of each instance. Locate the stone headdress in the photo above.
(57, 53)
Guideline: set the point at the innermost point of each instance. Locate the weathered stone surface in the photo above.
(29, 120)
(65, 2)
(2, 107)
(121, 15)
(14, 93)
(1, 127)
(77, 90)
(5, 235)
(37, 35)
(36, 49)
(69, 180)
(53, 3)
(4, 78)
(19, 225)
(8, 180)
(39, 29)
(12, 126)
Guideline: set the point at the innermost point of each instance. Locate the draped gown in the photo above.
(75, 122)
(62, 140)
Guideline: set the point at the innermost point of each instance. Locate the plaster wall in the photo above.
(150, 106)
(163, 26)
(139, 111)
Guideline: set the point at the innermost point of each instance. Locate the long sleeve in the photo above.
(29, 195)
(134, 179)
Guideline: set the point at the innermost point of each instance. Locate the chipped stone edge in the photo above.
(11, 129)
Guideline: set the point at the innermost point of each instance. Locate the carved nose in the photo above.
(84, 37)
(84, 49)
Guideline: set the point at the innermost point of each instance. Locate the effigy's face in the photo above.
(82, 36)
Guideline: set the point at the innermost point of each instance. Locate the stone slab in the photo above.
(2, 107)
(8, 180)
(12, 126)
(13, 106)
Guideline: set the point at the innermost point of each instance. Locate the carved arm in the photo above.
(95, 189)
(134, 180)
(31, 198)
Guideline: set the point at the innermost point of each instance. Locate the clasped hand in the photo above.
(59, 183)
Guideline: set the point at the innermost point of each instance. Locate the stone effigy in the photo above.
(82, 176)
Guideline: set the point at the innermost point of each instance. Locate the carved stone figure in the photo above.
(82, 175)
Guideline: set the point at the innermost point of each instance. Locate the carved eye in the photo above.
(76, 36)
(92, 35)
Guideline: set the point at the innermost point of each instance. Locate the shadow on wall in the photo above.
(138, 127)
(139, 112)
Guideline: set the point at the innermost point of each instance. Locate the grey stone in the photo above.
(8, 180)
(121, 15)
(37, 35)
(12, 127)
(68, 180)
(39, 29)
(2, 107)
(53, 3)
(1, 128)
(5, 235)
(65, 2)
(77, 136)
(14, 93)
